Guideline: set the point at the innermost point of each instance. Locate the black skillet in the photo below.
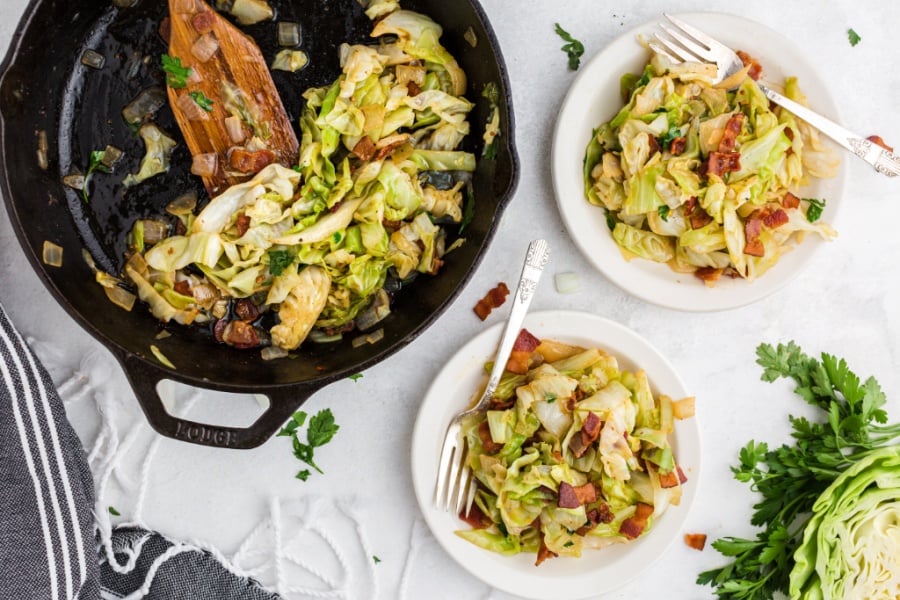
(46, 90)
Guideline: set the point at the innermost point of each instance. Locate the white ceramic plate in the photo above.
(597, 571)
(594, 98)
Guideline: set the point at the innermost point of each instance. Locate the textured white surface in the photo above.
(847, 303)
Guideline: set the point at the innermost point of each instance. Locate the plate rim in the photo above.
(662, 287)
(572, 324)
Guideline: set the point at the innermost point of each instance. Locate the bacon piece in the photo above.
(752, 228)
(203, 21)
(183, 287)
(543, 552)
(755, 68)
(690, 205)
(668, 480)
(245, 161)
(498, 404)
(697, 541)
(240, 335)
(790, 201)
(219, 330)
(708, 275)
(520, 356)
(590, 430)
(789, 133)
(678, 145)
(364, 148)
(242, 223)
(573, 497)
(654, 145)
(386, 146)
(476, 518)
(776, 218)
(245, 310)
(595, 516)
(165, 29)
(413, 89)
(633, 526)
(876, 139)
(493, 299)
(487, 442)
(699, 218)
(681, 476)
(732, 129)
(720, 163)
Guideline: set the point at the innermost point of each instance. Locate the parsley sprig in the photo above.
(320, 431)
(176, 73)
(815, 208)
(573, 48)
(202, 101)
(791, 478)
(95, 163)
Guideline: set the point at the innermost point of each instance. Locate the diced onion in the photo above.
(111, 156)
(144, 105)
(190, 108)
(183, 204)
(53, 254)
(250, 12)
(204, 165)
(470, 37)
(92, 59)
(154, 231)
(235, 128)
(288, 34)
(204, 48)
(273, 352)
(120, 297)
(163, 335)
(318, 336)
(161, 357)
(371, 338)
(380, 308)
(74, 181)
(290, 60)
(42, 147)
(567, 283)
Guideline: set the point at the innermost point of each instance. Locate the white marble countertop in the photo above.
(847, 303)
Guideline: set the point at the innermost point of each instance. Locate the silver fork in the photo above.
(454, 489)
(686, 43)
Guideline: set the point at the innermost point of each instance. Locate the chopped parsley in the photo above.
(610, 220)
(202, 101)
(550, 397)
(814, 211)
(665, 140)
(279, 260)
(573, 48)
(356, 376)
(569, 544)
(320, 431)
(95, 164)
(663, 211)
(176, 73)
(853, 37)
(468, 210)
(375, 559)
(114, 512)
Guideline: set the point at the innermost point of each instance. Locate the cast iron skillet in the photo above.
(45, 88)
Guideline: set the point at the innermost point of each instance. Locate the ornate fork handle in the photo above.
(884, 161)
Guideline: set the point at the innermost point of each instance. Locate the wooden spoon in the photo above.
(228, 69)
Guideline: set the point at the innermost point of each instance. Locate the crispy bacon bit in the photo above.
(681, 476)
(240, 335)
(690, 205)
(790, 201)
(654, 144)
(755, 68)
(633, 526)
(203, 22)
(720, 163)
(543, 552)
(413, 89)
(498, 404)
(219, 329)
(678, 145)
(493, 299)
(520, 356)
(595, 516)
(245, 161)
(245, 310)
(699, 218)
(590, 430)
(776, 218)
(697, 541)
(364, 148)
(876, 139)
(789, 133)
(476, 518)
(708, 275)
(752, 228)
(386, 149)
(165, 29)
(484, 434)
(732, 129)
(183, 287)
(242, 223)
(573, 497)
(668, 480)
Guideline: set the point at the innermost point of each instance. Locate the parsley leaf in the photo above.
(114, 512)
(468, 210)
(321, 428)
(573, 48)
(320, 431)
(303, 475)
(814, 211)
(279, 260)
(95, 163)
(610, 220)
(176, 73)
(550, 397)
(376, 559)
(853, 37)
(202, 101)
(663, 211)
(297, 420)
(356, 376)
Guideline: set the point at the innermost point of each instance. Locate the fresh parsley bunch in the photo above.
(791, 478)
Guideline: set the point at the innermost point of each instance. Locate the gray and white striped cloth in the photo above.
(48, 544)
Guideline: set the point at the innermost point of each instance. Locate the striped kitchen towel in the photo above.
(49, 547)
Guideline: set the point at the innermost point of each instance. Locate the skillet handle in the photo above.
(144, 378)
